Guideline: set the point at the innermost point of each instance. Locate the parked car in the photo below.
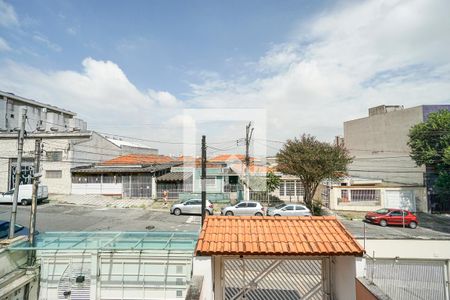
(392, 216)
(25, 194)
(19, 230)
(289, 210)
(193, 206)
(247, 208)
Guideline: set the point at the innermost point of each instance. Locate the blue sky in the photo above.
(136, 68)
(163, 44)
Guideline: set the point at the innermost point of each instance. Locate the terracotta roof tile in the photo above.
(137, 159)
(299, 236)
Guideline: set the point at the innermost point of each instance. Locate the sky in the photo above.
(153, 69)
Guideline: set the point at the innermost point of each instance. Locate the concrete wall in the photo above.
(13, 276)
(344, 274)
(379, 145)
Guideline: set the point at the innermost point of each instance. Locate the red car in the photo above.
(392, 216)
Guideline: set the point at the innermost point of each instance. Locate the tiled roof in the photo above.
(300, 236)
(116, 169)
(137, 159)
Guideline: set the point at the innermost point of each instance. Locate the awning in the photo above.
(174, 176)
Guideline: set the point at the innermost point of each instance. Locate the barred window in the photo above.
(364, 195)
(53, 174)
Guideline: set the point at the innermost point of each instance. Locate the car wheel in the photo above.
(383, 223)
(177, 211)
(277, 215)
(258, 214)
(24, 202)
(413, 225)
(207, 212)
(229, 213)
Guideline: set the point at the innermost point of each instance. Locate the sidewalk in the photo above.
(101, 201)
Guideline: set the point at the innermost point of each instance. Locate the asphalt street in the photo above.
(58, 217)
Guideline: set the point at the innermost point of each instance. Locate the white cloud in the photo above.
(343, 62)
(101, 94)
(336, 66)
(4, 45)
(45, 41)
(8, 16)
(163, 98)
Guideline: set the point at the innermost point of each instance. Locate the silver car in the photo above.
(193, 206)
(248, 208)
(289, 210)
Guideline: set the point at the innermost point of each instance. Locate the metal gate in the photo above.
(409, 279)
(137, 186)
(266, 279)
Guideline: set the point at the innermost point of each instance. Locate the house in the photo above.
(378, 144)
(276, 258)
(132, 175)
(359, 194)
(62, 151)
(221, 181)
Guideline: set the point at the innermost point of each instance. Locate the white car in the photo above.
(25, 194)
(193, 206)
(289, 210)
(246, 208)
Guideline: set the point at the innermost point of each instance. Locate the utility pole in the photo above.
(203, 178)
(34, 199)
(12, 222)
(248, 137)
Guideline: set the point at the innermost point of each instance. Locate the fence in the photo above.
(404, 279)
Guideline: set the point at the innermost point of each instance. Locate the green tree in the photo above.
(430, 146)
(312, 161)
(272, 182)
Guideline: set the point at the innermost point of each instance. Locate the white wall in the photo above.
(202, 266)
(344, 278)
(97, 188)
(402, 248)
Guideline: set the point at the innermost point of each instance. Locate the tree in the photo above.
(430, 146)
(272, 183)
(312, 161)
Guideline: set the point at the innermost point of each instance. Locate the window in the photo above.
(290, 188)
(241, 205)
(53, 174)
(179, 293)
(289, 207)
(251, 205)
(299, 207)
(54, 155)
(299, 188)
(211, 181)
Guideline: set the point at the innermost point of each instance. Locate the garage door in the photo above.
(400, 199)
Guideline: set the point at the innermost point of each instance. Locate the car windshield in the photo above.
(382, 211)
(280, 206)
